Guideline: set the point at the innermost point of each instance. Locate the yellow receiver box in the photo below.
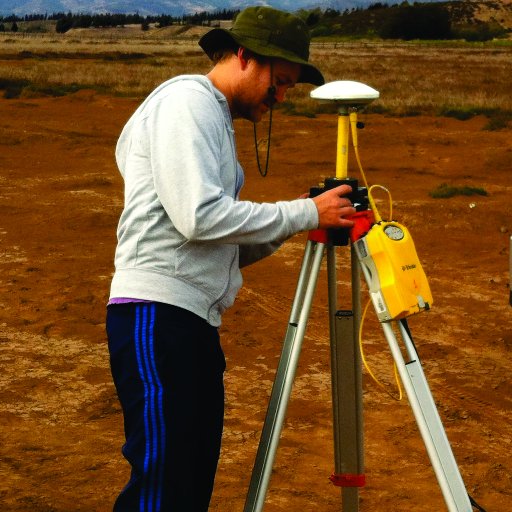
(398, 285)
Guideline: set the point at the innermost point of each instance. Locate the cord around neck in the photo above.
(271, 94)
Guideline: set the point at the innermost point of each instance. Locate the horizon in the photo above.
(143, 12)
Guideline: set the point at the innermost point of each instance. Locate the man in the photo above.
(182, 238)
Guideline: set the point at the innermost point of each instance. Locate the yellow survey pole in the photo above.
(342, 147)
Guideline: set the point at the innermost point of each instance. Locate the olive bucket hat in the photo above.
(269, 33)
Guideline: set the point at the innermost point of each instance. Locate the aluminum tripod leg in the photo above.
(283, 382)
(428, 420)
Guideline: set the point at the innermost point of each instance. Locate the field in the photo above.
(66, 100)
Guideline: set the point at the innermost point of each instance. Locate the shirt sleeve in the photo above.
(186, 138)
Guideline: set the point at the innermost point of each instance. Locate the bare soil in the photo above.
(61, 425)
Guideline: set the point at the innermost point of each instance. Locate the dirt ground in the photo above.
(61, 426)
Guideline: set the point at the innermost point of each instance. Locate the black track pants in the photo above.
(168, 366)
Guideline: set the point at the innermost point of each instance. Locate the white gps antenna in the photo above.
(348, 96)
(345, 92)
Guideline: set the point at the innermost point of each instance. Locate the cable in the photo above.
(271, 96)
(378, 218)
(373, 206)
(264, 172)
(382, 187)
(367, 366)
(353, 125)
(474, 504)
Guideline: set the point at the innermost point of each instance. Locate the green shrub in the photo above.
(320, 31)
(444, 191)
(498, 121)
(480, 32)
(462, 114)
(12, 88)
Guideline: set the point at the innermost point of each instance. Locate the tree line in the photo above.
(406, 21)
(67, 21)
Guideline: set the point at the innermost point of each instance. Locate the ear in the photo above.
(243, 57)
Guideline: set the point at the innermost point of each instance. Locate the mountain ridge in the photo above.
(170, 7)
(156, 7)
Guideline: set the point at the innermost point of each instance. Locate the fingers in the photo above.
(341, 190)
(346, 212)
(334, 208)
(344, 202)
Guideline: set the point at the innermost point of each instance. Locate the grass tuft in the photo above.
(12, 87)
(54, 90)
(462, 114)
(444, 191)
(498, 121)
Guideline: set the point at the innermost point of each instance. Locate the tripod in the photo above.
(346, 391)
(346, 377)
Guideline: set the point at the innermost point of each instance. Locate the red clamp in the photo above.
(363, 222)
(348, 480)
(318, 235)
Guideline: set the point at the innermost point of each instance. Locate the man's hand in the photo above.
(333, 208)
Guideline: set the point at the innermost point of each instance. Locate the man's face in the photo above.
(254, 98)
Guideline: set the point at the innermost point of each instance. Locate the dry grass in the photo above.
(415, 78)
(412, 78)
(116, 66)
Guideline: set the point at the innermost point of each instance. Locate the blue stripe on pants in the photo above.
(167, 365)
(154, 425)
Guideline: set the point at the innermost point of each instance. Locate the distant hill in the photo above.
(485, 11)
(473, 20)
(476, 20)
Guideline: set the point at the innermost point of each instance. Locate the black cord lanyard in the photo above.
(265, 171)
(271, 93)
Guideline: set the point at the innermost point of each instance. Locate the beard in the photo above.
(254, 110)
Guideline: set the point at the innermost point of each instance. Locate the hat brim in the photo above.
(219, 38)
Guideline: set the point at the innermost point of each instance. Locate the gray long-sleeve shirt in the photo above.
(184, 234)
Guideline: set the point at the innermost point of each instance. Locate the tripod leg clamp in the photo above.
(318, 235)
(348, 480)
